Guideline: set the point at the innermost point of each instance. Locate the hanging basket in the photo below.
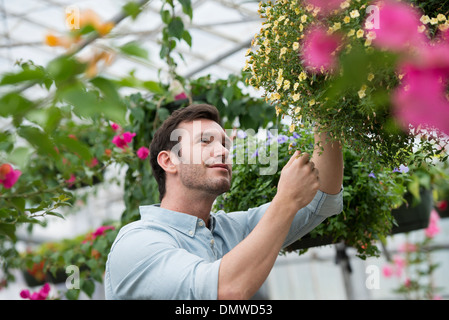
(409, 217)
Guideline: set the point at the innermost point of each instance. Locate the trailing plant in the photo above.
(327, 64)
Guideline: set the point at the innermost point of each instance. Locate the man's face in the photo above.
(203, 151)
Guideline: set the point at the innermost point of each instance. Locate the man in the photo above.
(181, 250)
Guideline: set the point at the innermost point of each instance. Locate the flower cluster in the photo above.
(123, 139)
(329, 63)
(42, 294)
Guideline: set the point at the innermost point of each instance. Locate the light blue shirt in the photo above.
(173, 255)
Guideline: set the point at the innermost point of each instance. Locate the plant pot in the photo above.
(409, 218)
(309, 242)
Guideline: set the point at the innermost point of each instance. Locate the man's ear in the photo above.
(167, 160)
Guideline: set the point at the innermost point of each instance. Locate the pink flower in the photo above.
(115, 126)
(398, 26)
(92, 162)
(8, 176)
(407, 247)
(181, 96)
(320, 49)
(143, 153)
(421, 100)
(399, 264)
(42, 294)
(433, 228)
(71, 180)
(326, 6)
(123, 139)
(387, 271)
(101, 231)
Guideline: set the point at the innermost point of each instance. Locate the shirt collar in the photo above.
(182, 222)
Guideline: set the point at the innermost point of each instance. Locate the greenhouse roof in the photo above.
(221, 32)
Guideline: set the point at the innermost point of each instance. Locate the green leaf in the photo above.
(88, 287)
(20, 156)
(176, 28)
(187, 7)
(72, 294)
(14, 104)
(24, 75)
(152, 86)
(88, 104)
(187, 37)
(39, 139)
(165, 15)
(132, 9)
(56, 214)
(134, 49)
(64, 68)
(8, 230)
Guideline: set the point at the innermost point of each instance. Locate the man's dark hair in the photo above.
(161, 139)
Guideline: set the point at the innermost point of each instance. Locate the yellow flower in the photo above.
(361, 92)
(424, 19)
(346, 19)
(344, 5)
(303, 18)
(336, 26)
(302, 76)
(279, 82)
(295, 46)
(354, 14)
(248, 52)
(283, 51)
(433, 21)
(286, 85)
(441, 17)
(297, 110)
(312, 102)
(275, 96)
(292, 127)
(360, 33)
(296, 97)
(278, 110)
(295, 86)
(370, 77)
(351, 33)
(297, 11)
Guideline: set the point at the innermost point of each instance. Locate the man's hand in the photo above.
(299, 182)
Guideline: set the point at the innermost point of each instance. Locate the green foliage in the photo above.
(371, 191)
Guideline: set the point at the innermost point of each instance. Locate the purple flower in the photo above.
(241, 134)
(372, 175)
(282, 138)
(296, 135)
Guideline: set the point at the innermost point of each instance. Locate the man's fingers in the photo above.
(293, 158)
(304, 158)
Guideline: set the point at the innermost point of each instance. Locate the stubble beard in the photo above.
(192, 177)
